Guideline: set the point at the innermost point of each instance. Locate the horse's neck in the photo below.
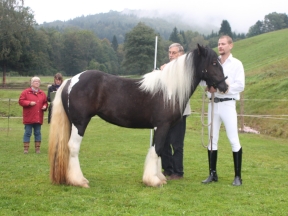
(196, 82)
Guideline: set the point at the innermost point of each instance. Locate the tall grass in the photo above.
(112, 159)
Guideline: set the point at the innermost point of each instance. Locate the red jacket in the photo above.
(33, 114)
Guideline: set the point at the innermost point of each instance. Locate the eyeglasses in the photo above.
(173, 53)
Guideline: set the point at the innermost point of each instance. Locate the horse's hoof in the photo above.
(164, 182)
(85, 180)
(85, 186)
(159, 183)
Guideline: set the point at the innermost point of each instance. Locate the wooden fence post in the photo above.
(242, 111)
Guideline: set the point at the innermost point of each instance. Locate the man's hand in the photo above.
(211, 89)
(162, 67)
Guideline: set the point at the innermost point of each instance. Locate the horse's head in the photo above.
(211, 69)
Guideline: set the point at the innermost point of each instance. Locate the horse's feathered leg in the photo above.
(159, 171)
(150, 177)
(153, 168)
(74, 173)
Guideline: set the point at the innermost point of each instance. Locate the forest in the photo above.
(112, 42)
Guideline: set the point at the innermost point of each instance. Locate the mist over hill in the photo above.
(189, 21)
(106, 25)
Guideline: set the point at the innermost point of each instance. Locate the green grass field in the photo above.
(112, 159)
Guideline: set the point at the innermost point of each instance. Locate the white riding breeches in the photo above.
(224, 112)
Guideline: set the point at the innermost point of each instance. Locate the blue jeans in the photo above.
(28, 132)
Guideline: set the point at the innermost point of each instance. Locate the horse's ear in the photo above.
(201, 50)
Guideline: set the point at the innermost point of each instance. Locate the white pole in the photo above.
(155, 56)
(155, 60)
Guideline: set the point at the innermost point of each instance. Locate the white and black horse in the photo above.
(155, 101)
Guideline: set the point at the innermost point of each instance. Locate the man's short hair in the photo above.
(180, 47)
(229, 39)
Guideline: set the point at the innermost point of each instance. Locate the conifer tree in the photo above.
(114, 43)
(225, 28)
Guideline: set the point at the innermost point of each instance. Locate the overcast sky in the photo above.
(241, 14)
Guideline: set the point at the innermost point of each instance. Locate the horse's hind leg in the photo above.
(74, 175)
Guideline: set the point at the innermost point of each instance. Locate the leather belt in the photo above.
(217, 100)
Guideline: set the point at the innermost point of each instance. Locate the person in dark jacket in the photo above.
(58, 79)
(172, 155)
(34, 103)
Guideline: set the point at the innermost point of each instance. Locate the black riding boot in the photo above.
(237, 156)
(212, 157)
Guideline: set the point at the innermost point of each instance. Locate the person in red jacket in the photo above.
(34, 103)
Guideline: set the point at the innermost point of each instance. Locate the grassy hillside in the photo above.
(265, 60)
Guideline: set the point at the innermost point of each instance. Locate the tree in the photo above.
(192, 39)
(225, 28)
(174, 37)
(15, 23)
(120, 58)
(272, 22)
(35, 55)
(213, 41)
(79, 48)
(72, 54)
(111, 61)
(139, 48)
(256, 29)
(114, 43)
(275, 21)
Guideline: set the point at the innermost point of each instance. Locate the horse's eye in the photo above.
(214, 63)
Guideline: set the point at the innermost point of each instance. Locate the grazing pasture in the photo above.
(112, 158)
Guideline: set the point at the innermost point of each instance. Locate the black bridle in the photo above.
(215, 85)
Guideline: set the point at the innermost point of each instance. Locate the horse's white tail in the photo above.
(60, 130)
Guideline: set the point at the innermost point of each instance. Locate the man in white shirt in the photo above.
(225, 110)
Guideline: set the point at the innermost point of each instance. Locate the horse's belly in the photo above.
(128, 122)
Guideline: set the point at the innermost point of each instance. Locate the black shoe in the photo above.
(166, 173)
(212, 177)
(175, 177)
(237, 181)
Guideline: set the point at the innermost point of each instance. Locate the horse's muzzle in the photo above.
(222, 85)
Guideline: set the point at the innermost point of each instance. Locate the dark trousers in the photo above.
(172, 155)
(49, 113)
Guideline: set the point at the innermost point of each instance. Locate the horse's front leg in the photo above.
(152, 175)
(74, 174)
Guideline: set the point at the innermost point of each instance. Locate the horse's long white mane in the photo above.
(174, 81)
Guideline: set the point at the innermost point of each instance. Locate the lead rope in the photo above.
(209, 124)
